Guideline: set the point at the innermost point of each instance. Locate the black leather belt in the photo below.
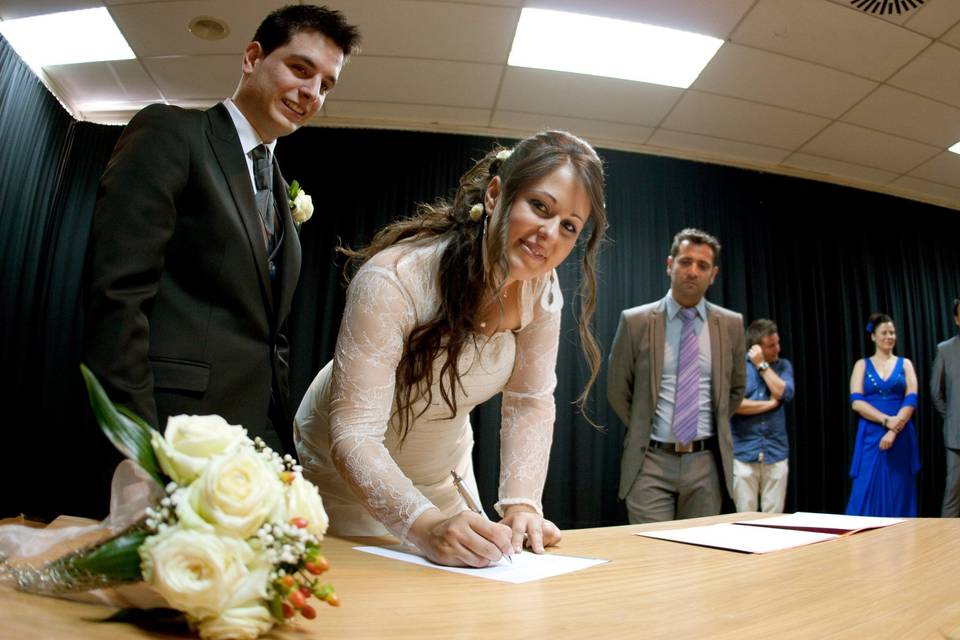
(679, 448)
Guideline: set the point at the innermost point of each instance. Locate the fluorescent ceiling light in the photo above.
(955, 148)
(88, 35)
(577, 43)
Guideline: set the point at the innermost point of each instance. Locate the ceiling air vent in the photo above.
(886, 7)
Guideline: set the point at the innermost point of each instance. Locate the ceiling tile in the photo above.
(934, 17)
(908, 115)
(925, 75)
(486, 3)
(408, 80)
(708, 17)
(594, 131)
(774, 79)
(405, 113)
(448, 31)
(832, 35)
(734, 119)
(717, 148)
(180, 78)
(939, 193)
(109, 116)
(945, 169)
(952, 37)
(828, 167)
(842, 141)
(115, 82)
(13, 9)
(575, 95)
(162, 28)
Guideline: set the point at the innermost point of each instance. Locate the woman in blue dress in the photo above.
(883, 391)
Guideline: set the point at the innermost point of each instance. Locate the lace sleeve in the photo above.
(379, 314)
(528, 408)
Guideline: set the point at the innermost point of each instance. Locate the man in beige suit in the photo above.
(677, 374)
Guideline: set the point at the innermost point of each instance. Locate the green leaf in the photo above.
(294, 190)
(128, 432)
(118, 559)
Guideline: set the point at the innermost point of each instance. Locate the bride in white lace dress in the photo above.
(447, 309)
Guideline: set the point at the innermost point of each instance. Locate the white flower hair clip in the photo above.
(503, 154)
(476, 212)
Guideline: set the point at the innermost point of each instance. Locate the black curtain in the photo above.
(53, 459)
(817, 258)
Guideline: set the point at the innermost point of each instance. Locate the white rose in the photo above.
(195, 572)
(239, 623)
(236, 493)
(246, 615)
(189, 442)
(303, 500)
(302, 207)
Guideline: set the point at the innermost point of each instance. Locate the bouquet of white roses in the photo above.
(233, 541)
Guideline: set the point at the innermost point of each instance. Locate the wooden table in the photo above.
(898, 582)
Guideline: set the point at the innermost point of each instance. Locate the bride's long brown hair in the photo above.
(464, 279)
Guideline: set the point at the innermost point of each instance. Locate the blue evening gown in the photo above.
(884, 482)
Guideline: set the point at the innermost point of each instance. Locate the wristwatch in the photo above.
(763, 367)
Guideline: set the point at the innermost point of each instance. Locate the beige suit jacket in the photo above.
(635, 369)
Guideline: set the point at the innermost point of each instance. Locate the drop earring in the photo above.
(550, 296)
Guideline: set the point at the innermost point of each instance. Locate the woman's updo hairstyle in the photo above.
(876, 319)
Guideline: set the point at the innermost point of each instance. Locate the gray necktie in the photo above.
(266, 205)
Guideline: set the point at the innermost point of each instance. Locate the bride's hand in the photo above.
(466, 539)
(527, 523)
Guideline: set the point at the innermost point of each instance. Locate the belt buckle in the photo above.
(683, 448)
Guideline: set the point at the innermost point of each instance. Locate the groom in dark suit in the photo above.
(193, 255)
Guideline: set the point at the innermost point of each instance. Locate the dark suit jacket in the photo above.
(181, 316)
(636, 366)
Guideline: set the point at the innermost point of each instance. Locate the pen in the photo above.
(472, 503)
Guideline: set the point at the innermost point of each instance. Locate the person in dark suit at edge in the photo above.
(193, 255)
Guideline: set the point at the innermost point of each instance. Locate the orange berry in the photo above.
(287, 581)
(298, 522)
(313, 567)
(308, 612)
(322, 563)
(297, 599)
(332, 599)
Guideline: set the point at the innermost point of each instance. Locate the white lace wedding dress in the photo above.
(346, 420)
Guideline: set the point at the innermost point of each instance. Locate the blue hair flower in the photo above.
(869, 327)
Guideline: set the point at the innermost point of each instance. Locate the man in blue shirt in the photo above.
(760, 445)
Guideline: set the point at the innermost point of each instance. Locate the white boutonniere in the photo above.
(301, 203)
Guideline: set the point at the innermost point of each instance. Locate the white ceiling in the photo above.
(811, 88)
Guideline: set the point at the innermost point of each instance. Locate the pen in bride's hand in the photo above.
(472, 503)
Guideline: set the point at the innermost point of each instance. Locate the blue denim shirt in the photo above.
(765, 432)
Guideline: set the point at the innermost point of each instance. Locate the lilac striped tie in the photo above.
(686, 404)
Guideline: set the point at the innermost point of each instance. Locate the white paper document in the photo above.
(526, 566)
(740, 538)
(823, 522)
